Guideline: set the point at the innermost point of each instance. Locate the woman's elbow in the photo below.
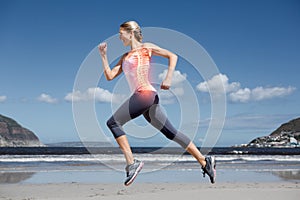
(173, 56)
(109, 78)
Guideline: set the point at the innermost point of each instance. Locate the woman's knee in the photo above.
(115, 127)
(111, 122)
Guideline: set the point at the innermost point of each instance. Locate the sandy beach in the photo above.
(150, 191)
(80, 177)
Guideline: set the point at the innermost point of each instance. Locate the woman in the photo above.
(144, 100)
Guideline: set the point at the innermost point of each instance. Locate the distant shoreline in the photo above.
(149, 150)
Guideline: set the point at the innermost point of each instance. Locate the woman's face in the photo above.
(125, 37)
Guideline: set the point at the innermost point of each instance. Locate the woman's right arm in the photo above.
(110, 74)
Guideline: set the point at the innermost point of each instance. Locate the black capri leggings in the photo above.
(145, 103)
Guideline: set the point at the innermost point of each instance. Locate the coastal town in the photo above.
(284, 139)
(285, 136)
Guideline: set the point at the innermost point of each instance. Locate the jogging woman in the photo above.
(144, 101)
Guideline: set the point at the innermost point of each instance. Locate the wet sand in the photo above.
(150, 191)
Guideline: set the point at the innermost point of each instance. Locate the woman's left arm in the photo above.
(156, 50)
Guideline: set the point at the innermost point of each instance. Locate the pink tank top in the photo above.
(136, 69)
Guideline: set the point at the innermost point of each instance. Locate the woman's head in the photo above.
(129, 30)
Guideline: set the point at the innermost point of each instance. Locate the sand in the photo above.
(152, 191)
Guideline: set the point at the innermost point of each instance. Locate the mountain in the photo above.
(292, 126)
(13, 134)
(287, 135)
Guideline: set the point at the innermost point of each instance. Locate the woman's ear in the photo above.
(131, 34)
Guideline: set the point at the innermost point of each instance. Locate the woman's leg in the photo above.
(125, 148)
(135, 106)
(115, 123)
(193, 150)
(160, 121)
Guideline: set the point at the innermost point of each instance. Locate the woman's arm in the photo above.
(110, 74)
(156, 50)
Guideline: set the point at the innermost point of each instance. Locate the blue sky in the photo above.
(255, 45)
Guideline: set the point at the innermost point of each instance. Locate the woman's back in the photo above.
(136, 66)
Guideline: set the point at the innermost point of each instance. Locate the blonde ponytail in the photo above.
(133, 26)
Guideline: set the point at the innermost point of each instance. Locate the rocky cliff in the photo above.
(14, 135)
(287, 135)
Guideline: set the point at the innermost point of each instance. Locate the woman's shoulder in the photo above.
(150, 45)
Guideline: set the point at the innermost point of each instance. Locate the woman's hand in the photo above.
(102, 48)
(166, 84)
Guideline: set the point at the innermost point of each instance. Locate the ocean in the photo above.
(106, 164)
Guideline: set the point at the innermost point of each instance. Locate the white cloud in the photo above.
(260, 93)
(97, 94)
(2, 99)
(218, 84)
(169, 96)
(47, 99)
(177, 77)
(242, 95)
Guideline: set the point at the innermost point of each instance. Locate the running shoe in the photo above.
(210, 168)
(132, 171)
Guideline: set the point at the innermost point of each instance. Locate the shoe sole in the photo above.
(135, 174)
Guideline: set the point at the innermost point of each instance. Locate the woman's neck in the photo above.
(135, 44)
